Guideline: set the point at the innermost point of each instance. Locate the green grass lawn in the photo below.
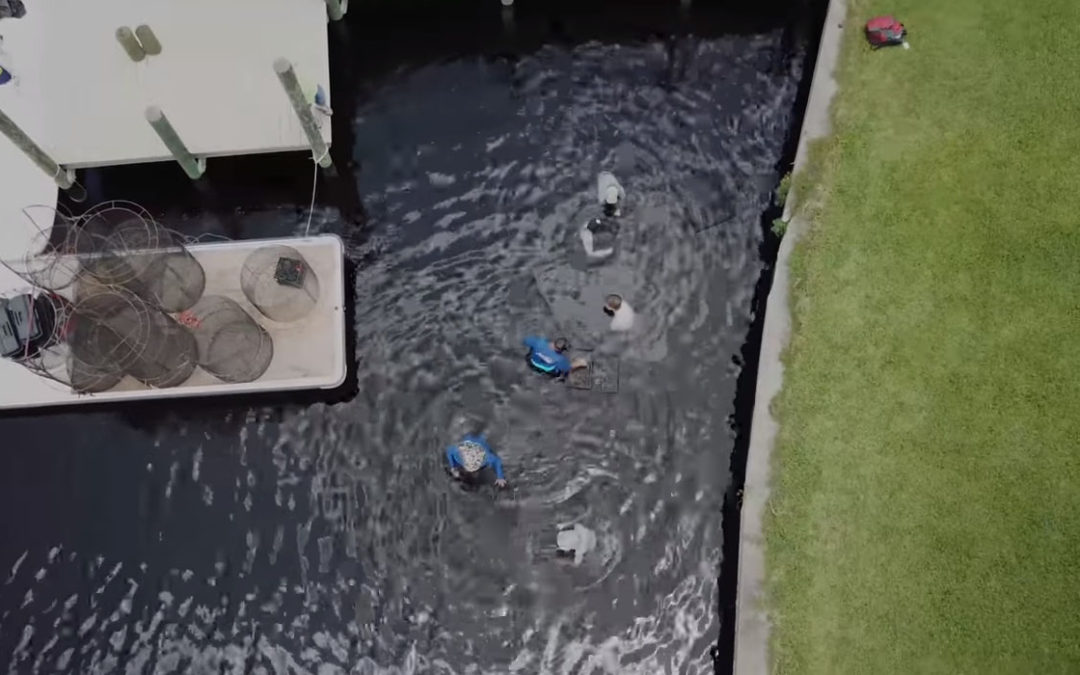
(926, 507)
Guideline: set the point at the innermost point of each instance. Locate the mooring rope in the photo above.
(314, 185)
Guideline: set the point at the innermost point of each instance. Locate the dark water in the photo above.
(326, 538)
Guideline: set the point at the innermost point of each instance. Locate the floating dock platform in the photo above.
(308, 352)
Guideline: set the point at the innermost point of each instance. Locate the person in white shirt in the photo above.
(598, 234)
(610, 193)
(574, 542)
(620, 311)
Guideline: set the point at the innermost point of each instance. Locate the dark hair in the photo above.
(561, 344)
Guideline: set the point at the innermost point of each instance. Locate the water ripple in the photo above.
(329, 540)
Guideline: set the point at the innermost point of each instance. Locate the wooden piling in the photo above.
(150, 44)
(192, 166)
(63, 177)
(130, 43)
(336, 9)
(302, 108)
(507, 14)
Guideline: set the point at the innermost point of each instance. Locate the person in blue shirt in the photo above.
(472, 455)
(549, 356)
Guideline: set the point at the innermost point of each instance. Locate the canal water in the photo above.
(291, 537)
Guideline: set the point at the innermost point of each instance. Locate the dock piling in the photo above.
(130, 43)
(193, 167)
(150, 44)
(65, 178)
(336, 9)
(289, 81)
(507, 14)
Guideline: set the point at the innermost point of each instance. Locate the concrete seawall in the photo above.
(752, 623)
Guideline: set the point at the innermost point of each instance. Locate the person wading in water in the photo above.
(470, 457)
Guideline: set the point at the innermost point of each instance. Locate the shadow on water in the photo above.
(805, 31)
(246, 535)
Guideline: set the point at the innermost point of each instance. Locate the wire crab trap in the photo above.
(231, 345)
(119, 243)
(47, 263)
(116, 331)
(44, 348)
(108, 333)
(280, 283)
(115, 243)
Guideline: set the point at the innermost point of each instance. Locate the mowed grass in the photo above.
(926, 508)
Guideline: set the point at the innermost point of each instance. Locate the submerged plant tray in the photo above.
(605, 376)
(602, 376)
(580, 379)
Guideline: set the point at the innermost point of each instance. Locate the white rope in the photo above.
(314, 185)
(199, 239)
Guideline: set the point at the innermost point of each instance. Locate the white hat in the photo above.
(567, 540)
(472, 456)
(611, 195)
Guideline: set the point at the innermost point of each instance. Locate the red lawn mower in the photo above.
(885, 31)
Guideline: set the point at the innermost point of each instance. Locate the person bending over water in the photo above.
(573, 543)
(468, 459)
(598, 238)
(598, 234)
(621, 313)
(549, 356)
(610, 193)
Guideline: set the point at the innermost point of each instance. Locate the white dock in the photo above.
(83, 100)
(309, 353)
(80, 97)
(27, 196)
